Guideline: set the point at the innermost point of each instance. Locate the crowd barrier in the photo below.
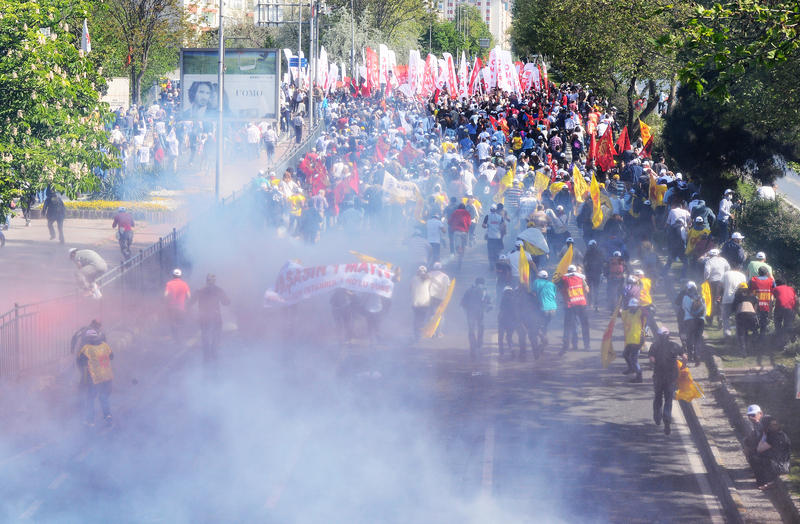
(36, 335)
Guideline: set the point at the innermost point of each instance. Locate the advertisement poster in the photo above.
(250, 85)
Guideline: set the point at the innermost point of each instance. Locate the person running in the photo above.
(439, 284)
(176, 293)
(693, 310)
(633, 321)
(94, 361)
(123, 222)
(575, 291)
(55, 212)
(664, 354)
(545, 291)
(475, 303)
(420, 299)
(495, 226)
(459, 223)
(615, 270)
(209, 299)
(91, 266)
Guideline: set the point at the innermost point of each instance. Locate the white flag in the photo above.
(86, 42)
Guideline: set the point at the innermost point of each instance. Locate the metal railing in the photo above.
(38, 334)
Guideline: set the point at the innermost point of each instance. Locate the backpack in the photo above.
(698, 307)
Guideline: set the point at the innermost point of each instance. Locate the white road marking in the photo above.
(21, 454)
(697, 466)
(58, 481)
(32, 509)
(488, 462)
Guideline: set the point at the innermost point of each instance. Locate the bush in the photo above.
(773, 226)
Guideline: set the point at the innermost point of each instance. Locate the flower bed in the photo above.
(113, 205)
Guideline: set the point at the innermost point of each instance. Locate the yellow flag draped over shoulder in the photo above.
(433, 323)
(579, 185)
(540, 184)
(705, 290)
(607, 353)
(597, 211)
(524, 268)
(644, 131)
(563, 264)
(688, 389)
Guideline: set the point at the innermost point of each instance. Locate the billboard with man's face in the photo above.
(250, 87)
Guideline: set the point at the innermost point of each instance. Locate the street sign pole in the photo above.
(220, 84)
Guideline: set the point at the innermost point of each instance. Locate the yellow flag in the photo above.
(597, 211)
(561, 268)
(705, 290)
(579, 185)
(607, 353)
(433, 323)
(524, 268)
(366, 258)
(555, 187)
(505, 182)
(540, 184)
(644, 131)
(688, 389)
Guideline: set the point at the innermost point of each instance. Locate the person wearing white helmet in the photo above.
(693, 312)
(495, 225)
(759, 262)
(726, 207)
(513, 259)
(575, 290)
(545, 292)
(633, 322)
(123, 222)
(176, 295)
(420, 299)
(475, 302)
(714, 270)
(663, 354)
(503, 274)
(91, 266)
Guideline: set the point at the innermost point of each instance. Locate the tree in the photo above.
(53, 121)
(144, 36)
(611, 45)
(463, 32)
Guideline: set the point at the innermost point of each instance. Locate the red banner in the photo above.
(372, 70)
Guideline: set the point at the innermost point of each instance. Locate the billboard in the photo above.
(250, 85)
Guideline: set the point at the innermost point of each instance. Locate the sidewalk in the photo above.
(36, 268)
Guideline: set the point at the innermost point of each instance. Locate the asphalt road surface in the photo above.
(303, 430)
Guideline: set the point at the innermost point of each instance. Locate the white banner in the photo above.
(383, 64)
(399, 191)
(296, 282)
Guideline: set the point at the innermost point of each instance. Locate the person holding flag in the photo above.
(633, 321)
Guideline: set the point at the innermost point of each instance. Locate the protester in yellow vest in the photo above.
(633, 321)
(94, 361)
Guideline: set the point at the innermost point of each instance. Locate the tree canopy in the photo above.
(52, 131)
(463, 32)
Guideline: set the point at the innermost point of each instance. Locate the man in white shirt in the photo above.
(731, 281)
(439, 283)
(435, 228)
(253, 139)
(714, 269)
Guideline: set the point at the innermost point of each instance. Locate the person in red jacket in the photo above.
(459, 222)
(785, 305)
(762, 287)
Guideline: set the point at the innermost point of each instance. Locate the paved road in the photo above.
(301, 430)
(789, 187)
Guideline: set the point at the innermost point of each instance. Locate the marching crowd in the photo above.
(568, 233)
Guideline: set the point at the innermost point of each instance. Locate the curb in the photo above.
(719, 479)
(733, 407)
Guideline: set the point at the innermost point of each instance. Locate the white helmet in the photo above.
(542, 274)
(177, 272)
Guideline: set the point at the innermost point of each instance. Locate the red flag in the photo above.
(647, 150)
(605, 151)
(372, 70)
(592, 155)
(623, 141)
(381, 148)
(476, 73)
(429, 77)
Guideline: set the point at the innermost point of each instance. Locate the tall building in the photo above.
(496, 14)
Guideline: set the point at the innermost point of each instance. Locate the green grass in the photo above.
(770, 353)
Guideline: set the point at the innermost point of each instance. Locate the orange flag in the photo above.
(688, 389)
(644, 131)
(597, 211)
(579, 186)
(606, 346)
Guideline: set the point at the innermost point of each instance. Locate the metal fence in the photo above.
(35, 335)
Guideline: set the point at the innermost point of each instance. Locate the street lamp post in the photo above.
(220, 84)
